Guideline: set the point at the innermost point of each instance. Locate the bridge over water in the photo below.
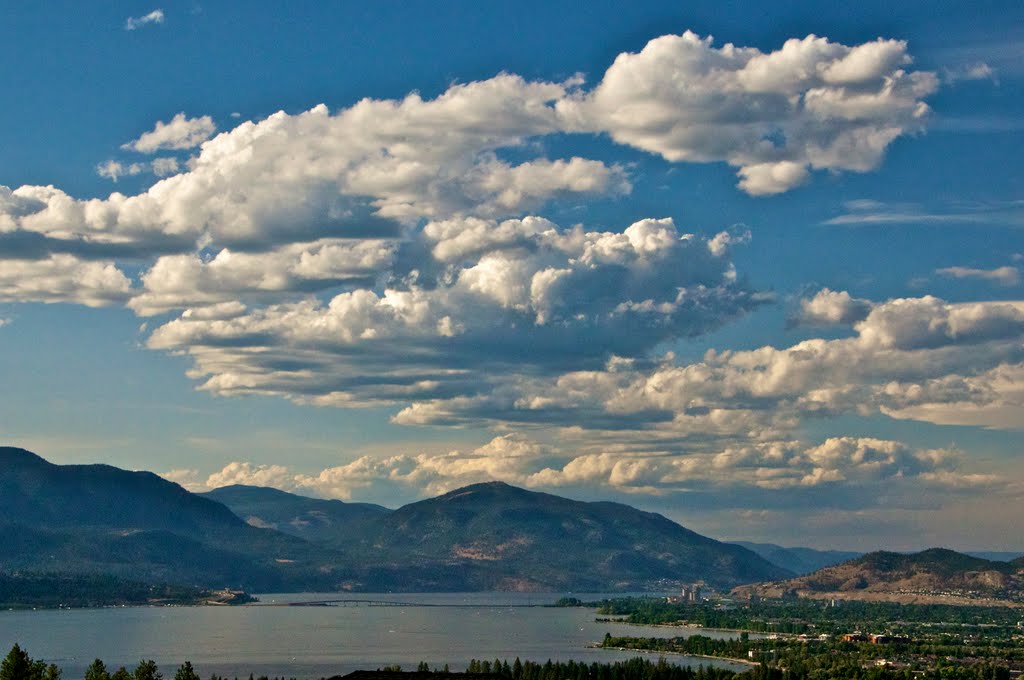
(390, 603)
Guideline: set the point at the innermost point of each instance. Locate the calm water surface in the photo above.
(314, 642)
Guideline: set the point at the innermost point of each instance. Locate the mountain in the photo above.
(995, 556)
(800, 561)
(101, 519)
(499, 537)
(316, 520)
(937, 575)
(97, 519)
(35, 492)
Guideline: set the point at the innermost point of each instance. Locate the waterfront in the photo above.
(320, 641)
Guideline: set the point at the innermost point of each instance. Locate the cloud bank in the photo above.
(396, 253)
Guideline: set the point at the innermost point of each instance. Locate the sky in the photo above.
(760, 269)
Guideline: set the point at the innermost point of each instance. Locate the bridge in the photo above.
(390, 603)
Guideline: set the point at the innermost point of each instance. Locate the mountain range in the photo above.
(799, 560)
(101, 519)
(937, 575)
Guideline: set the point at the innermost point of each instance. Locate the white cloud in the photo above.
(154, 17)
(181, 132)
(915, 357)
(112, 170)
(522, 296)
(764, 179)
(810, 104)
(186, 477)
(837, 472)
(833, 307)
(379, 167)
(1005, 276)
(63, 278)
(162, 167)
(978, 70)
(253, 475)
(866, 211)
(189, 281)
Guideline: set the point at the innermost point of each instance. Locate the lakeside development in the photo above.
(834, 639)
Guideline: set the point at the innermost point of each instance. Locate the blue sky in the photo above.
(766, 283)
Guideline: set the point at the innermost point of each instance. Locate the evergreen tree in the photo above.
(147, 670)
(16, 665)
(97, 670)
(185, 672)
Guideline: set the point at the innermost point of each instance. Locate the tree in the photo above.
(16, 665)
(147, 670)
(97, 670)
(186, 672)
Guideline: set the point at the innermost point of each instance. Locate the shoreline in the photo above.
(745, 662)
(694, 626)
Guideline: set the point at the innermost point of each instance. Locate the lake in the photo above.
(320, 641)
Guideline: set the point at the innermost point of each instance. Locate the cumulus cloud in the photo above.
(154, 17)
(1005, 276)
(113, 170)
(848, 472)
(176, 282)
(379, 167)
(63, 278)
(832, 307)
(395, 252)
(253, 475)
(914, 357)
(810, 104)
(161, 167)
(523, 296)
(181, 132)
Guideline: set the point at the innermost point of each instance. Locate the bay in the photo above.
(366, 631)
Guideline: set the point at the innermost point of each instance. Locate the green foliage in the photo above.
(97, 671)
(634, 669)
(811, 616)
(18, 665)
(186, 672)
(147, 670)
(52, 590)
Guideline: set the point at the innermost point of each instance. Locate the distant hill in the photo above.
(35, 492)
(101, 519)
(936, 575)
(995, 556)
(97, 519)
(502, 537)
(317, 520)
(800, 561)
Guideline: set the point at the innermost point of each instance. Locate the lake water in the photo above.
(320, 641)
